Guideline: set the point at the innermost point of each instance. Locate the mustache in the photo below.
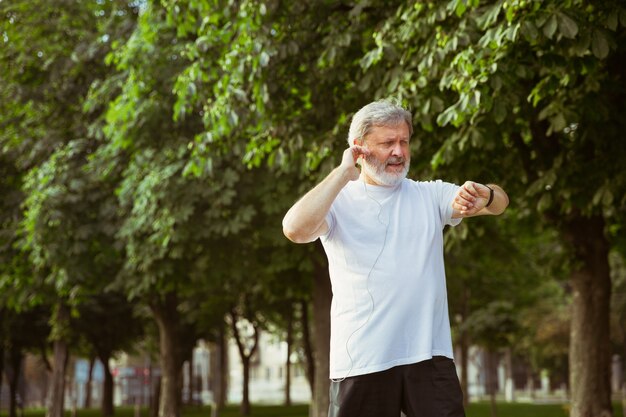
(395, 160)
(391, 160)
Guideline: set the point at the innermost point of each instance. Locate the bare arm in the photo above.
(472, 199)
(306, 220)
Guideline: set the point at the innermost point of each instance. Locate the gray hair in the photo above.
(378, 113)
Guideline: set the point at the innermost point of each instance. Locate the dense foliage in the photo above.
(151, 148)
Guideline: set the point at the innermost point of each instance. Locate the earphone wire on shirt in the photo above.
(367, 282)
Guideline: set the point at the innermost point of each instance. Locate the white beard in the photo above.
(376, 170)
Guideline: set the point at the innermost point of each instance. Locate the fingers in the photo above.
(465, 209)
(466, 197)
(359, 151)
(476, 189)
(470, 198)
(462, 206)
(349, 160)
(470, 188)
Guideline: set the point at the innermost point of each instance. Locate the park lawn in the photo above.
(483, 409)
(480, 409)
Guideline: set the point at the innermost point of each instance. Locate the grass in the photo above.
(483, 409)
(480, 409)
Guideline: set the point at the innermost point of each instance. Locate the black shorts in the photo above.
(425, 389)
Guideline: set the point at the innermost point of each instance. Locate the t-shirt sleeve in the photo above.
(445, 193)
(330, 221)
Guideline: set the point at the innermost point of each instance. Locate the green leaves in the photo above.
(599, 44)
(567, 26)
(495, 325)
(550, 27)
(489, 15)
(214, 116)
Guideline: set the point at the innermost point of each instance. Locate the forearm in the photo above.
(473, 199)
(306, 220)
(500, 200)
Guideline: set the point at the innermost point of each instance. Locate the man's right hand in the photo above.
(306, 219)
(349, 160)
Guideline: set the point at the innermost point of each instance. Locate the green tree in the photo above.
(176, 227)
(119, 327)
(523, 93)
(18, 342)
(518, 88)
(496, 272)
(274, 83)
(69, 226)
(618, 306)
(50, 56)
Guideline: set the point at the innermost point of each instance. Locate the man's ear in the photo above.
(358, 141)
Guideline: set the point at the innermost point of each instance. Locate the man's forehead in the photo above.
(394, 130)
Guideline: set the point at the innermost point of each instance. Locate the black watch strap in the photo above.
(490, 196)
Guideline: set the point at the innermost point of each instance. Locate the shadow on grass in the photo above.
(474, 410)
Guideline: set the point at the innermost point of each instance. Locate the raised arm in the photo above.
(475, 199)
(306, 220)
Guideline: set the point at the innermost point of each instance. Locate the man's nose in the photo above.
(397, 149)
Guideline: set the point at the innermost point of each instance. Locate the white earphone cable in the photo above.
(367, 279)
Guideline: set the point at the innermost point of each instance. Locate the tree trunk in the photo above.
(245, 360)
(623, 321)
(15, 367)
(107, 391)
(56, 397)
(590, 344)
(92, 361)
(308, 347)
(624, 398)
(166, 315)
(2, 315)
(288, 359)
(245, 400)
(219, 370)
(156, 398)
(322, 296)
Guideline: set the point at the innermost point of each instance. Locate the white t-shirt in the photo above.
(385, 255)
